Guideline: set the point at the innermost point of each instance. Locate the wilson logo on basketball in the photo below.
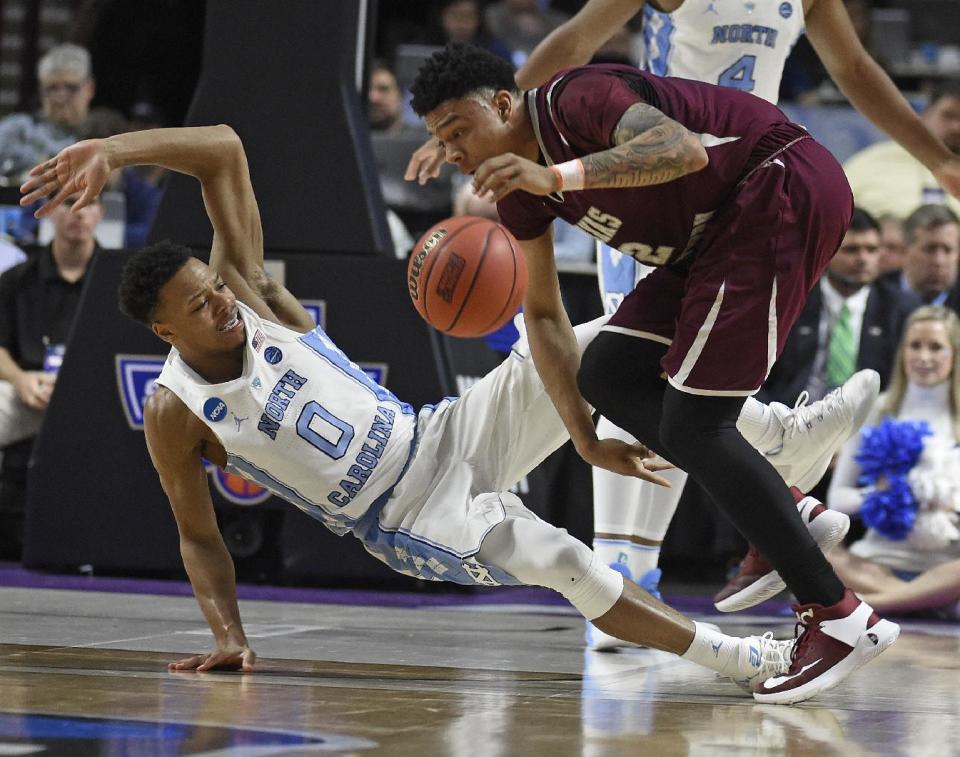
(467, 276)
(449, 277)
(416, 262)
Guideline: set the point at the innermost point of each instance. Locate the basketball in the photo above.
(467, 276)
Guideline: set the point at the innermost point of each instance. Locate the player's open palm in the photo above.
(82, 168)
(626, 459)
(232, 657)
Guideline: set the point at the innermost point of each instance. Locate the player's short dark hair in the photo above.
(455, 72)
(144, 275)
(861, 220)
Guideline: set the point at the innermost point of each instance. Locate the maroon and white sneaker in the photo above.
(832, 642)
(756, 580)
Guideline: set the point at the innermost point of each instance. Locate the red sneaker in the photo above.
(756, 580)
(834, 642)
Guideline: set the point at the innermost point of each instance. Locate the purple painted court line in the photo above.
(13, 575)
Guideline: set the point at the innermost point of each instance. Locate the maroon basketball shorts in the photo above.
(726, 315)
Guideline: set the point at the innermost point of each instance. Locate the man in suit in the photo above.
(849, 322)
(929, 276)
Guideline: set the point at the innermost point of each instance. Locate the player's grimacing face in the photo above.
(472, 129)
(198, 310)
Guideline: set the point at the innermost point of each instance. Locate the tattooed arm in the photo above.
(650, 149)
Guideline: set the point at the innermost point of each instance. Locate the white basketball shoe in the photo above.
(763, 657)
(813, 433)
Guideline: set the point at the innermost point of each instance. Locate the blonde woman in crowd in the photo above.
(902, 475)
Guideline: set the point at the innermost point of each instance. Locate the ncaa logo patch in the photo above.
(272, 355)
(136, 381)
(215, 409)
(786, 10)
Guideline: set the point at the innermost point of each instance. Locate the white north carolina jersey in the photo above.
(303, 421)
(733, 43)
(741, 44)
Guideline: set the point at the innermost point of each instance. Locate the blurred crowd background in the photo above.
(74, 69)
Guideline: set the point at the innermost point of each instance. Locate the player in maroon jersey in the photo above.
(742, 210)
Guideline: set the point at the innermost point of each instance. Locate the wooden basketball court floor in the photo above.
(83, 673)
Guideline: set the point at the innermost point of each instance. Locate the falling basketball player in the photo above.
(741, 211)
(424, 491)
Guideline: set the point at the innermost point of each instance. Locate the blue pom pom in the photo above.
(891, 511)
(891, 448)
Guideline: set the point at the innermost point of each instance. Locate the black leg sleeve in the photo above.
(622, 378)
(700, 435)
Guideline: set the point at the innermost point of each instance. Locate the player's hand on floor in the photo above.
(81, 168)
(626, 459)
(229, 658)
(425, 162)
(506, 173)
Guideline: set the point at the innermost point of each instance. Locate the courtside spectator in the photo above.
(393, 139)
(887, 180)
(849, 322)
(38, 301)
(385, 103)
(893, 247)
(66, 89)
(521, 24)
(930, 264)
(901, 473)
(461, 21)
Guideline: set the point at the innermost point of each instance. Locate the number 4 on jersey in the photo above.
(739, 75)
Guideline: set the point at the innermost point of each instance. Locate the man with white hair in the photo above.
(65, 89)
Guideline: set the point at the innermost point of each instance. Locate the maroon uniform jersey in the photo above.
(575, 114)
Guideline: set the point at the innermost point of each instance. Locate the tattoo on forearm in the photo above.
(651, 149)
(637, 119)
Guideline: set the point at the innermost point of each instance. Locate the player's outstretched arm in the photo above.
(574, 42)
(871, 91)
(176, 443)
(214, 155)
(557, 359)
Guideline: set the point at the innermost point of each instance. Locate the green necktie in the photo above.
(841, 352)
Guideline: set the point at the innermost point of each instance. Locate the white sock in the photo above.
(758, 424)
(643, 559)
(620, 554)
(719, 652)
(616, 553)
